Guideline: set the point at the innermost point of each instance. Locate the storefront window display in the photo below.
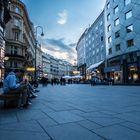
(118, 77)
(132, 73)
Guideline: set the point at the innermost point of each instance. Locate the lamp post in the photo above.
(42, 34)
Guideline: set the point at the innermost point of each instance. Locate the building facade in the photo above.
(62, 68)
(4, 18)
(46, 65)
(68, 68)
(81, 56)
(54, 68)
(39, 61)
(114, 40)
(123, 43)
(20, 38)
(95, 47)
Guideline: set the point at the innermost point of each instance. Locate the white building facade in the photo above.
(113, 41)
(95, 47)
(123, 40)
(81, 55)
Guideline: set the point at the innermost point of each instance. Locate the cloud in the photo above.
(72, 44)
(59, 48)
(62, 17)
(60, 44)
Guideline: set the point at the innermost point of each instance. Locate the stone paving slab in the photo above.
(87, 108)
(89, 124)
(21, 135)
(65, 117)
(60, 107)
(47, 122)
(94, 114)
(28, 126)
(106, 121)
(29, 114)
(8, 118)
(132, 126)
(71, 132)
(76, 112)
(108, 112)
(117, 132)
(133, 116)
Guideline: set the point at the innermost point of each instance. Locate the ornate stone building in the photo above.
(20, 38)
(4, 18)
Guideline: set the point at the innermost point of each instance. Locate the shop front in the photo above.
(132, 73)
(114, 73)
(95, 70)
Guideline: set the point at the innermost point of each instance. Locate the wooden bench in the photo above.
(9, 97)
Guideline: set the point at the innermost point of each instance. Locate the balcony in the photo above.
(17, 56)
(17, 28)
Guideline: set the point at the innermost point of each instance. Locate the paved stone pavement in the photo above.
(76, 112)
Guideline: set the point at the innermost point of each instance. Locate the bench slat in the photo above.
(9, 97)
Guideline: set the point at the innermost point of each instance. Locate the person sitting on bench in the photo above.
(11, 86)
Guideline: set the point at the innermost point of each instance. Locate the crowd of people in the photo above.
(55, 81)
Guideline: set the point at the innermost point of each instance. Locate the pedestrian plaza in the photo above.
(75, 112)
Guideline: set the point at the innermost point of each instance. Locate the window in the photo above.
(94, 52)
(15, 64)
(16, 35)
(97, 51)
(109, 39)
(126, 2)
(116, 9)
(14, 50)
(109, 28)
(110, 50)
(118, 47)
(89, 36)
(96, 28)
(17, 22)
(129, 28)
(108, 17)
(117, 34)
(102, 38)
(130, 43)
(108, 5)
(89, 42)
(11, 64)
(116, 22)
(96, 34)
(128, 15)
(17, 10)
(101, 23)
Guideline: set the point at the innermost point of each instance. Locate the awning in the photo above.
(66, 77)
(95, 65)
(77, 77)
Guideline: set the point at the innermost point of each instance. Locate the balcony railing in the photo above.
(14, 55)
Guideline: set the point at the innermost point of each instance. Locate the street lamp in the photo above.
(42, 34)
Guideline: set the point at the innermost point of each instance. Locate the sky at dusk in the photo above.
(63, 22)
